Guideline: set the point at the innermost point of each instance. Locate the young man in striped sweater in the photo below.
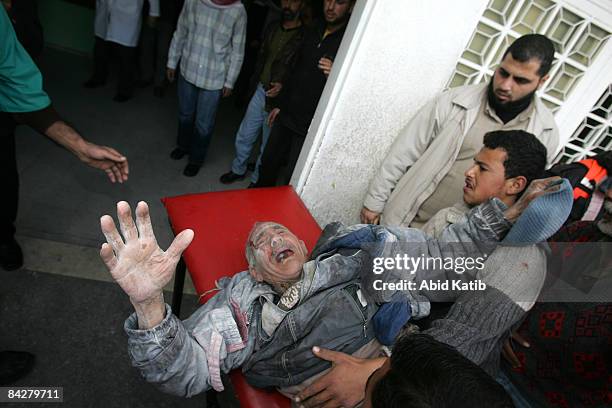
(478, 322)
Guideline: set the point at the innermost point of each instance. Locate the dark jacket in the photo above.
(283, 61)
(300, 95)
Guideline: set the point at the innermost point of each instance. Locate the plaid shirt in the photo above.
(209, 42)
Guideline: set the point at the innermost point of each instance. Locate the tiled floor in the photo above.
(61, 200)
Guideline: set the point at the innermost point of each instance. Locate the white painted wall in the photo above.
(395, 56)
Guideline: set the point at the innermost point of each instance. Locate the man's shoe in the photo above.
(93, 83)
(230, 177)
(191, 170)
(177, 154)
(11, 257)
(122, 98)
(252, 185)
(14, 365)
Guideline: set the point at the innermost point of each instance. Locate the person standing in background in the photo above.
(155, 41)
(281, 41)
(209, 43)
(295, 106)
(23, 100)
(117, 27)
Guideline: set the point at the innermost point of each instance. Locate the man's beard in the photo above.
(288, 15)
(508, 110)
(340, 21)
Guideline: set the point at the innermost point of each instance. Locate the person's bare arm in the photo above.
(48, 122)
(100, 157)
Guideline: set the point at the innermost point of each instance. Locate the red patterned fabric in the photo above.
(569, 363)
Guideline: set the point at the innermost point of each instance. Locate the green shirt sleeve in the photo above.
(20, 80)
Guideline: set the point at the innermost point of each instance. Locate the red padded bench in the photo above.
(221, 222)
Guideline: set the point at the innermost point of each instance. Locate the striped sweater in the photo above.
(479, 322)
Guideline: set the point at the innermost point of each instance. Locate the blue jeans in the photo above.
(254, 120)
(197, 110)
(519, 400)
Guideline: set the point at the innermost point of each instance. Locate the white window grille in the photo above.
(577, 38)
(594, 135)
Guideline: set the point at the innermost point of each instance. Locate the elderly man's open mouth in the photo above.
(282, 253)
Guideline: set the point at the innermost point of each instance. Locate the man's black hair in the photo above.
(525, 154)
(426, 374)
(536, 46)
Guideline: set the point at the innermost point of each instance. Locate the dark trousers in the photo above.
(127, 60)
(154, 45)
(284, 146)
(8, 169)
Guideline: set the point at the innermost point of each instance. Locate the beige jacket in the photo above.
(427, 147)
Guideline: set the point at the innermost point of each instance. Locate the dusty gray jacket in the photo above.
(244, 325)
(424, 151)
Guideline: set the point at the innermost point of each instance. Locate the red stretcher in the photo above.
(221, 222)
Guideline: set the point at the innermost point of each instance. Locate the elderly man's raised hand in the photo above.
(136, 262)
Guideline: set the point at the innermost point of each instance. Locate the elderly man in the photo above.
(284, 304)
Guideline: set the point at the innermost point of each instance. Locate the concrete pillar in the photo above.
(396, 55)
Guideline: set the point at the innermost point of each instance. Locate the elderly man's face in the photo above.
(280, 255)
